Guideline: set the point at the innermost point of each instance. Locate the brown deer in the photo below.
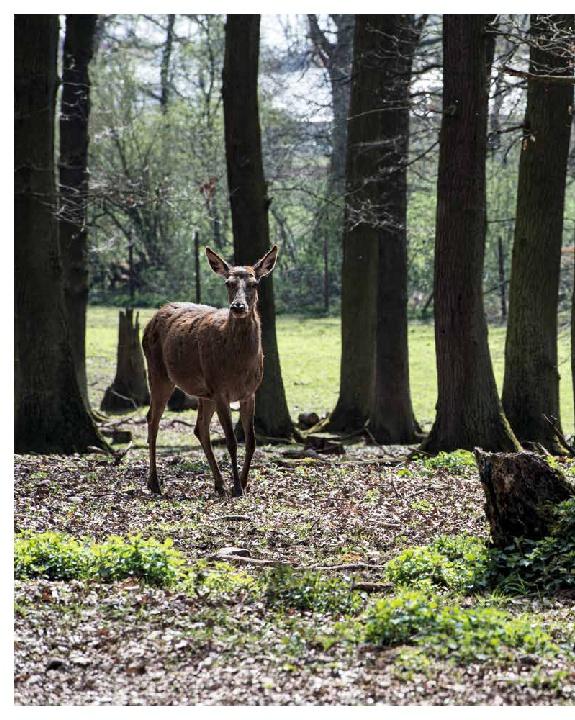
(215, 354)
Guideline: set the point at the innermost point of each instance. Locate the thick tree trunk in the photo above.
(359, 266)
(50, 415)
(130, 387)
(468, 409)
(520, 493)
(391, 417)
(531, 383)
(74, 139)
(249, 203)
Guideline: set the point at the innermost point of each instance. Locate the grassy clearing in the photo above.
(310, 353)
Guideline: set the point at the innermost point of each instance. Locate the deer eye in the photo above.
(231, 281)
(252, 283)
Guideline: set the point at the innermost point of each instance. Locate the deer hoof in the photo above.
(154, 486)
(237, 491)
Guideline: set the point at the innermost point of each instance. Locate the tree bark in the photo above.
(531, 383)
(358, 273)
(336, 57)
(74, 140)
(391, 417)
(520, 493)
(50, 414)
(250, 203)
(165, 65)
(468, 409)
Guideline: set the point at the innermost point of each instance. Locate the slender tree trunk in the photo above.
(531, 383)
(165, 66)
(358, 274)
(468, 409)
(336, 57)
(391, 418)
(250, 203)
(74, 140)
(50, 415)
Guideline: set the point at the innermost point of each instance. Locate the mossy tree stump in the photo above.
(521, 490)
(130, 387)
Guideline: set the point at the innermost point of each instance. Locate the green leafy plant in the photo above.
(455, 462)
(56, 556)
(458, 563)
(445, 628)
(287, 588)
(51, 555)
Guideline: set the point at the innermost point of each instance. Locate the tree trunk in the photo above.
(130, 387)
(391, 417)
(468, 409)
(358, 272)
(531, 383)
(50, 414)
(249, 203)
(74, 139)
(165, 65)
(336, 58)
(520, 492)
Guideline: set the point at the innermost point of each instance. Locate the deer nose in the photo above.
(238, 307)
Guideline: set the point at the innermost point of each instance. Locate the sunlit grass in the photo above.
(310, 353)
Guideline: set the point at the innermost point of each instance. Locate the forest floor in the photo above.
(226, 640)
(241, 632)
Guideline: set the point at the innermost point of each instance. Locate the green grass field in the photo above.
(310, 352)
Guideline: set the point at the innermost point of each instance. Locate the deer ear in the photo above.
(264, 266)
(218, 264)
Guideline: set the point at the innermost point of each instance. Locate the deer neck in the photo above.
(247, 330)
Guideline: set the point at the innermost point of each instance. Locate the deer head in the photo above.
(242, 280)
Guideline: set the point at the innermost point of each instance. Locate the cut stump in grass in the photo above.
(130, 387)
(521, 490)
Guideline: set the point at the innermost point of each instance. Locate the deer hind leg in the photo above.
(206, 409)
(223, 410)
(161, 388)
(247, 408)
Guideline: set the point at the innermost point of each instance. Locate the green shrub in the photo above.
(287, 588)
(458, 563)
(427, 620)
(148, 560)
(51, 555)
(546, 565)
(455, 462)
(56, 556)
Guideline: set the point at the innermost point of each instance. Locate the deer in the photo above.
(214, 354)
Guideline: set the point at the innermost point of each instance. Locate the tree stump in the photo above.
(130, 387)
(521, 490)
(181, 401)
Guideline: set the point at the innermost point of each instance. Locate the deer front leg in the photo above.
(223, 410)
(247, 409)
(206, 409)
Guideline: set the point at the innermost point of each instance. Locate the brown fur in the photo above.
(215, 354)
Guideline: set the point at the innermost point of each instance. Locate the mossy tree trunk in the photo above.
(74, 140)
(50, 413)
(250, 203)
(469, 412)
(531, 382)
(521, 490)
